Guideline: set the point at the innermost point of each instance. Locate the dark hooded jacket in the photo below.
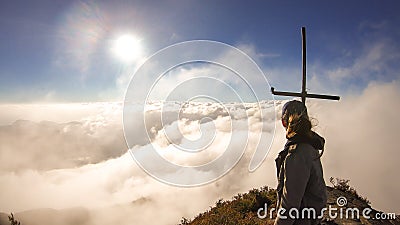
(300, 178)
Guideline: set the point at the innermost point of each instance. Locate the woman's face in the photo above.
(284, 124)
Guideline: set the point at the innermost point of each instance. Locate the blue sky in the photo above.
(59, 51)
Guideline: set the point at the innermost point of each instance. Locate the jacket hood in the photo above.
(315, 140)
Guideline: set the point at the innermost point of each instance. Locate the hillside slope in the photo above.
(243, 208)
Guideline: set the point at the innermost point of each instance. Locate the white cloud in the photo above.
(372, 62)
(228, 74)
(361, 141)
(375, 60)
(361, 134)
(47, 145)
(119, 181)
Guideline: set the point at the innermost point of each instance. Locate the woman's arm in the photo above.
(297, 173)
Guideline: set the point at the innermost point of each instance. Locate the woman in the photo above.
(301, 186)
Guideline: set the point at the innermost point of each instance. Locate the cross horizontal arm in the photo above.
(294, 94)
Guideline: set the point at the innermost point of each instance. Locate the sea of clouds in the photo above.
(63, 156)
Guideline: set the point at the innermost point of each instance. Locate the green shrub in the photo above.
(343, 185)
(241, 210)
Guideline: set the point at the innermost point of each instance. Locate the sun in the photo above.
(127, 48)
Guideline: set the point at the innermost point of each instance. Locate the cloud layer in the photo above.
(361, 146)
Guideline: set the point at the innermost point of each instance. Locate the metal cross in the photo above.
(304, 93)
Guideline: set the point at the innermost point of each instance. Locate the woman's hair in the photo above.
(298, 124)
(295, 116)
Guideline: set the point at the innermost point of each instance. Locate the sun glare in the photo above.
(127, 48)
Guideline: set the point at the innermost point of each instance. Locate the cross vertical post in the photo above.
(303, 94)
(304, 55)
